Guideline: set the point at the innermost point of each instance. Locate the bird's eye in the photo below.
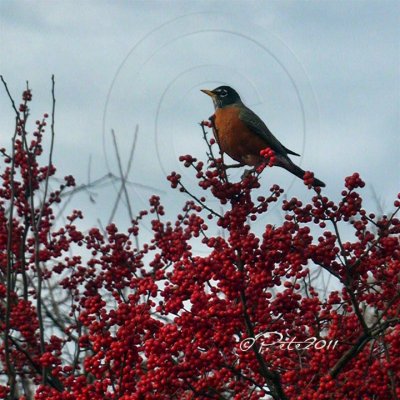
(223, 93)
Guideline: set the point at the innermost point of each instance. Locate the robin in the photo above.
(242, 134)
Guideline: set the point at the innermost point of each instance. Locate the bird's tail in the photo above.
(296, 170)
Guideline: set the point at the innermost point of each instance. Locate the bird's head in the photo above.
(223, 96)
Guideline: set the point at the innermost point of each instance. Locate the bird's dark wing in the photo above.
(255, 123)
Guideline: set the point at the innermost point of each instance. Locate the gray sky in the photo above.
(324, 76)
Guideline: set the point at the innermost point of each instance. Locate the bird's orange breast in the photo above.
(235, 138)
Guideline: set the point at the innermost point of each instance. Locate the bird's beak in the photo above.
(209, 92)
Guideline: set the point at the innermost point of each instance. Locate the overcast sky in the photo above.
(323, 75)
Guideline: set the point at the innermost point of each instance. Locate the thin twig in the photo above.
(9, 364)
(50, 163)
(125, 176)
(10, 97)
(123, 185)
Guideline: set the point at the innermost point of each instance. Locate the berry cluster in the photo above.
(269, 155)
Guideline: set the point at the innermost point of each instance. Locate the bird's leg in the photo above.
(257, 169)
(226, 167)
(248, 172)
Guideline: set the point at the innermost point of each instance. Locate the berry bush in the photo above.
(89, 315)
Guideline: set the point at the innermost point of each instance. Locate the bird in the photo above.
(242, 134)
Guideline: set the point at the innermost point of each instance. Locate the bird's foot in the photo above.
(248, 172)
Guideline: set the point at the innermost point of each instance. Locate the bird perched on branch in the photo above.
(242, 135)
